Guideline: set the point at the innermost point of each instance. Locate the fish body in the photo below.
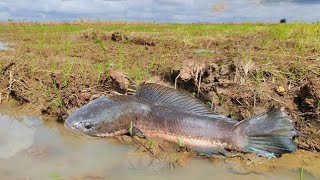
(160, 112)
(196, 131)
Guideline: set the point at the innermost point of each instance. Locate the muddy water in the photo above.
(33, 149)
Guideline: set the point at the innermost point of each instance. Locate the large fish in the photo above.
(161, 112)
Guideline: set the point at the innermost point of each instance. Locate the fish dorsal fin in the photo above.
(165, 96)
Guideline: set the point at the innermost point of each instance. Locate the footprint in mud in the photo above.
(142, 161)
(39, 152)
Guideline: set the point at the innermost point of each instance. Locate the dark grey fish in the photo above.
(161, 112)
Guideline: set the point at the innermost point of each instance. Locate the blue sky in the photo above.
(181, 11)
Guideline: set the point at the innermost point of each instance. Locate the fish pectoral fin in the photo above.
(137, 132)
(203, 151)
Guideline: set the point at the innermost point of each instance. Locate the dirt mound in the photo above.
(134, 38)
(99, 36)
(119, 37)
(68, 90)
(143, 39)
(90, 34)
(120, 81)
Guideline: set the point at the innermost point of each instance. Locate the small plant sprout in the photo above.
(59, 102)
(301, 173)
(55, 176)
(131, 129)
(221, 100)
(101, 44)
(194, 94)
(150, 143)
(180, 142)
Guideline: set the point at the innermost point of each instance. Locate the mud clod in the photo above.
(90, 34)
(143, 40)
(191, 70)
(120, 80)
(119, 37)
(308, 100)
(137, 39)
(280, 90)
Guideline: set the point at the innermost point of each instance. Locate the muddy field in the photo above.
(236, 69)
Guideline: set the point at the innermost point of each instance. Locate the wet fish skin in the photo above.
(161, 112)
(193, 130)
(114, 117)
(107, 116)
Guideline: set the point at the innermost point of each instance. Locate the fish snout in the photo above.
(74, 126)
(77, 125)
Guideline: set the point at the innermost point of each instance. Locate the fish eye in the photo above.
(88, 125)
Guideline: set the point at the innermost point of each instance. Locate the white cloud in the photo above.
(160, 10)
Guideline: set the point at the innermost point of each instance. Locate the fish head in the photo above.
(100, 117)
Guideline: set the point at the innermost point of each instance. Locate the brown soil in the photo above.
(246, 163)
(308, 100)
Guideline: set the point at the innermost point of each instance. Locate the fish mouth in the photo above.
(73, 129)
(106, 134)
(112, 134)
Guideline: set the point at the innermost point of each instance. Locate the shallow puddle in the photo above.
(33, 149)
(3, 46)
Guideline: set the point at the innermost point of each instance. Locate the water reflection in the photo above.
(29, 148)
(15, 136)
(180, 11)
(3, 46)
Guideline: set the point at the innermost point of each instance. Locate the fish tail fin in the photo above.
(269, 134)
